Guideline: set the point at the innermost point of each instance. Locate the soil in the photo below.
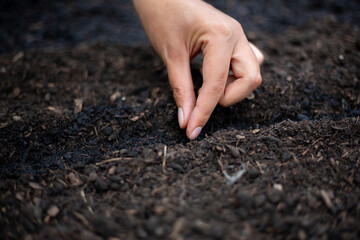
(90, 146)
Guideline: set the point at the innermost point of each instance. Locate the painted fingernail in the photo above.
(195, 133)
(180, 117)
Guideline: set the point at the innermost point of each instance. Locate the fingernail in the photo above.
(195, 133)
(180, 117)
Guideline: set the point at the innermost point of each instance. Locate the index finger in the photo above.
(246, 69)
(215, 71)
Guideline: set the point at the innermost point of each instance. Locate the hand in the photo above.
(179, 30)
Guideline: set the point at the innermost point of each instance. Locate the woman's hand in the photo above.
(179, 30)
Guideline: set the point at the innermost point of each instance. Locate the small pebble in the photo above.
(274, 195)
(107, 131)
(115, 178)
(16, 118)
(101, 185)
(302, 117)
(93, 176)
(53, 211)
(305, 104)
(253, 173)
(73, 179)
(234, 151)
(47, 97)
(244, 199)
(159, 210)
(123, 151)
(259, 200)
(286, 156)
(250, 96)
(115, 186)
(278, 186)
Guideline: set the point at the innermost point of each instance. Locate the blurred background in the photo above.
(28, 24)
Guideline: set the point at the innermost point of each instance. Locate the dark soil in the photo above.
(90, 146)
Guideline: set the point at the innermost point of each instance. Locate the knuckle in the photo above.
(255, 80)
(170, 55)
(225, 31)
(178, 92)
(236, 24)
(222, 31)
(216, 89)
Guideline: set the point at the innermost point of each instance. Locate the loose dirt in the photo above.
(90, 146)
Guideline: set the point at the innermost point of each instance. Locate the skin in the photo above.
(179, 30)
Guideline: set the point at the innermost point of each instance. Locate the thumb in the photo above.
(183, 90)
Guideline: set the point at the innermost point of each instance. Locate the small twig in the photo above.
(164, 160)
(106, 125)
(221, 165)
(113, 160)
(178, 226)
(317, 140)
(82, 193)
(273, 127)
(326, 198)
(96, 132)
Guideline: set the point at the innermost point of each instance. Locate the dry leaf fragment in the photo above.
(256, 130)
(35, 186)
(18, 56)
(115, 96)
(50, 108)
(326, 199)
(240, 137)
(112, 170)
(19, 197)
(135, 118)
(78, 105)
